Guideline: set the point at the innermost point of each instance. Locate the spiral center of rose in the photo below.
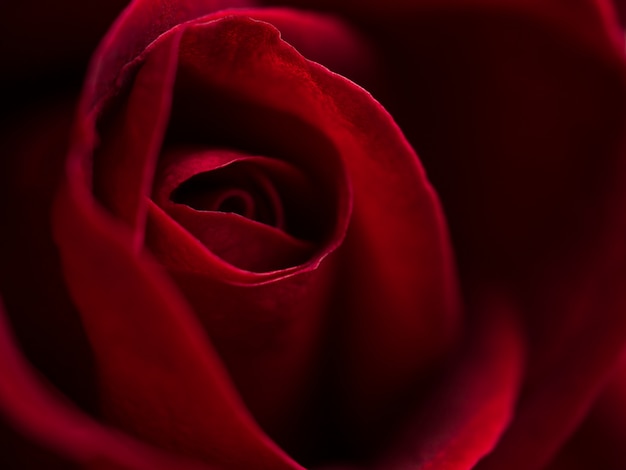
(240, 189)
(238, 202)
(246, 209)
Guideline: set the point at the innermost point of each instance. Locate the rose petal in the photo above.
(124, 164)
(47, 325)
(620, 9)
(245, 243)
(599, 440)
(498, 99)
(159, 369)
(138, 25)
(121, 181)
(326, 39)
(42, 415)
(468, 409)
(569, 373)
(537, 197)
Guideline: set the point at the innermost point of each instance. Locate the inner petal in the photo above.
(237, 201)
(235, 188)
(233, 204)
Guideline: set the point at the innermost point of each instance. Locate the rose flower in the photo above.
(226, 253)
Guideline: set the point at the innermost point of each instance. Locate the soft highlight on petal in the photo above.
(470, 406)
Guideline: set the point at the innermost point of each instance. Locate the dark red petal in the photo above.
(538, 200)
(326, 39)
(570, 371)
(271, 337)
(124, 163)
(41, 414)
(41, 313)
(138, 25)
(599, 441)
(471, 405)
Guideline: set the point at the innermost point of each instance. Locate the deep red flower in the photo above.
(245, 265)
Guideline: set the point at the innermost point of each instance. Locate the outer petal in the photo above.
(40, 413)
(517, 110)
(569, 375)
(599, 441)
(472, 402)
(47, 325)
(533, 189)
(549, 212)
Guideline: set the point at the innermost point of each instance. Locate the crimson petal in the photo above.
(43, 415)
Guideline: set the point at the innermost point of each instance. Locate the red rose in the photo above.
(251, 270)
